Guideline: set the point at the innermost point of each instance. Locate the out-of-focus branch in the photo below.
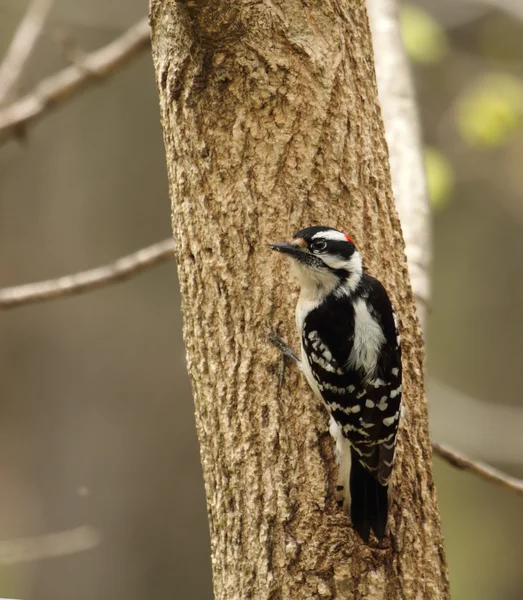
(85, 281)
(22, 46)
(487, 472)
(61, 543)
(483, 440)
(400, 117)
(64, 84)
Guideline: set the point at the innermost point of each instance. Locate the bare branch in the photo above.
(64, 84)
(22, 46)
(478, 468)
(482, 441)
(61, 543)
(85, 281)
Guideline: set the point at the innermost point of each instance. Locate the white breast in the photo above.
(368, 339)
(303, 308)
(315, 286)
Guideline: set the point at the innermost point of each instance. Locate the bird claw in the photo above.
(278, 343)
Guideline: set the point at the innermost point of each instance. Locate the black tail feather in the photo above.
(369, 503)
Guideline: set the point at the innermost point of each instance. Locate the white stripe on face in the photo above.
(337, 236)
(353, 266)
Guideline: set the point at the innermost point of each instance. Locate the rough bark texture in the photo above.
(271, 123)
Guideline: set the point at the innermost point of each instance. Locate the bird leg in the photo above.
(276, 341)
(286, 352)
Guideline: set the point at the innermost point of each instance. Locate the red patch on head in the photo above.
(349, 239)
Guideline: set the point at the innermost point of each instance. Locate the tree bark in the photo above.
(271, 123)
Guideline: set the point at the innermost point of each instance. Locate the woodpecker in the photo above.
(351, 358)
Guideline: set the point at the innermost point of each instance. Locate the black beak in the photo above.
(290, 249)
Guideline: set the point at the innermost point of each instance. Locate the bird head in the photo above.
(324, 258)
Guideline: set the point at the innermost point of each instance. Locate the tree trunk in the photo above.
(271, 123)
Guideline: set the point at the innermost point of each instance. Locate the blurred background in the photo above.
(96, 415)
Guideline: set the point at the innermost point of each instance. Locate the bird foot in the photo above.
(286, 352)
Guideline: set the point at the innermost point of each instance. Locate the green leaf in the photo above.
(423, 37)
(491, 110)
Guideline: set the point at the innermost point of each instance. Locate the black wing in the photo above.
(383, 392)
(365, 406)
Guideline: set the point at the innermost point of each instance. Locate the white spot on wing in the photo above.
(382, 405)
(307, 371)
(396, 392)
(323, 363)
(333, 388)
(326, 354)
(350, 427)
(345, 409)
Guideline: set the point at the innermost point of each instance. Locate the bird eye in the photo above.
(318, 245)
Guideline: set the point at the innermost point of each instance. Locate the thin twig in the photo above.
(487, 472)
(22, 46)
(68, 285)
(50, 545)
(62, 85)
